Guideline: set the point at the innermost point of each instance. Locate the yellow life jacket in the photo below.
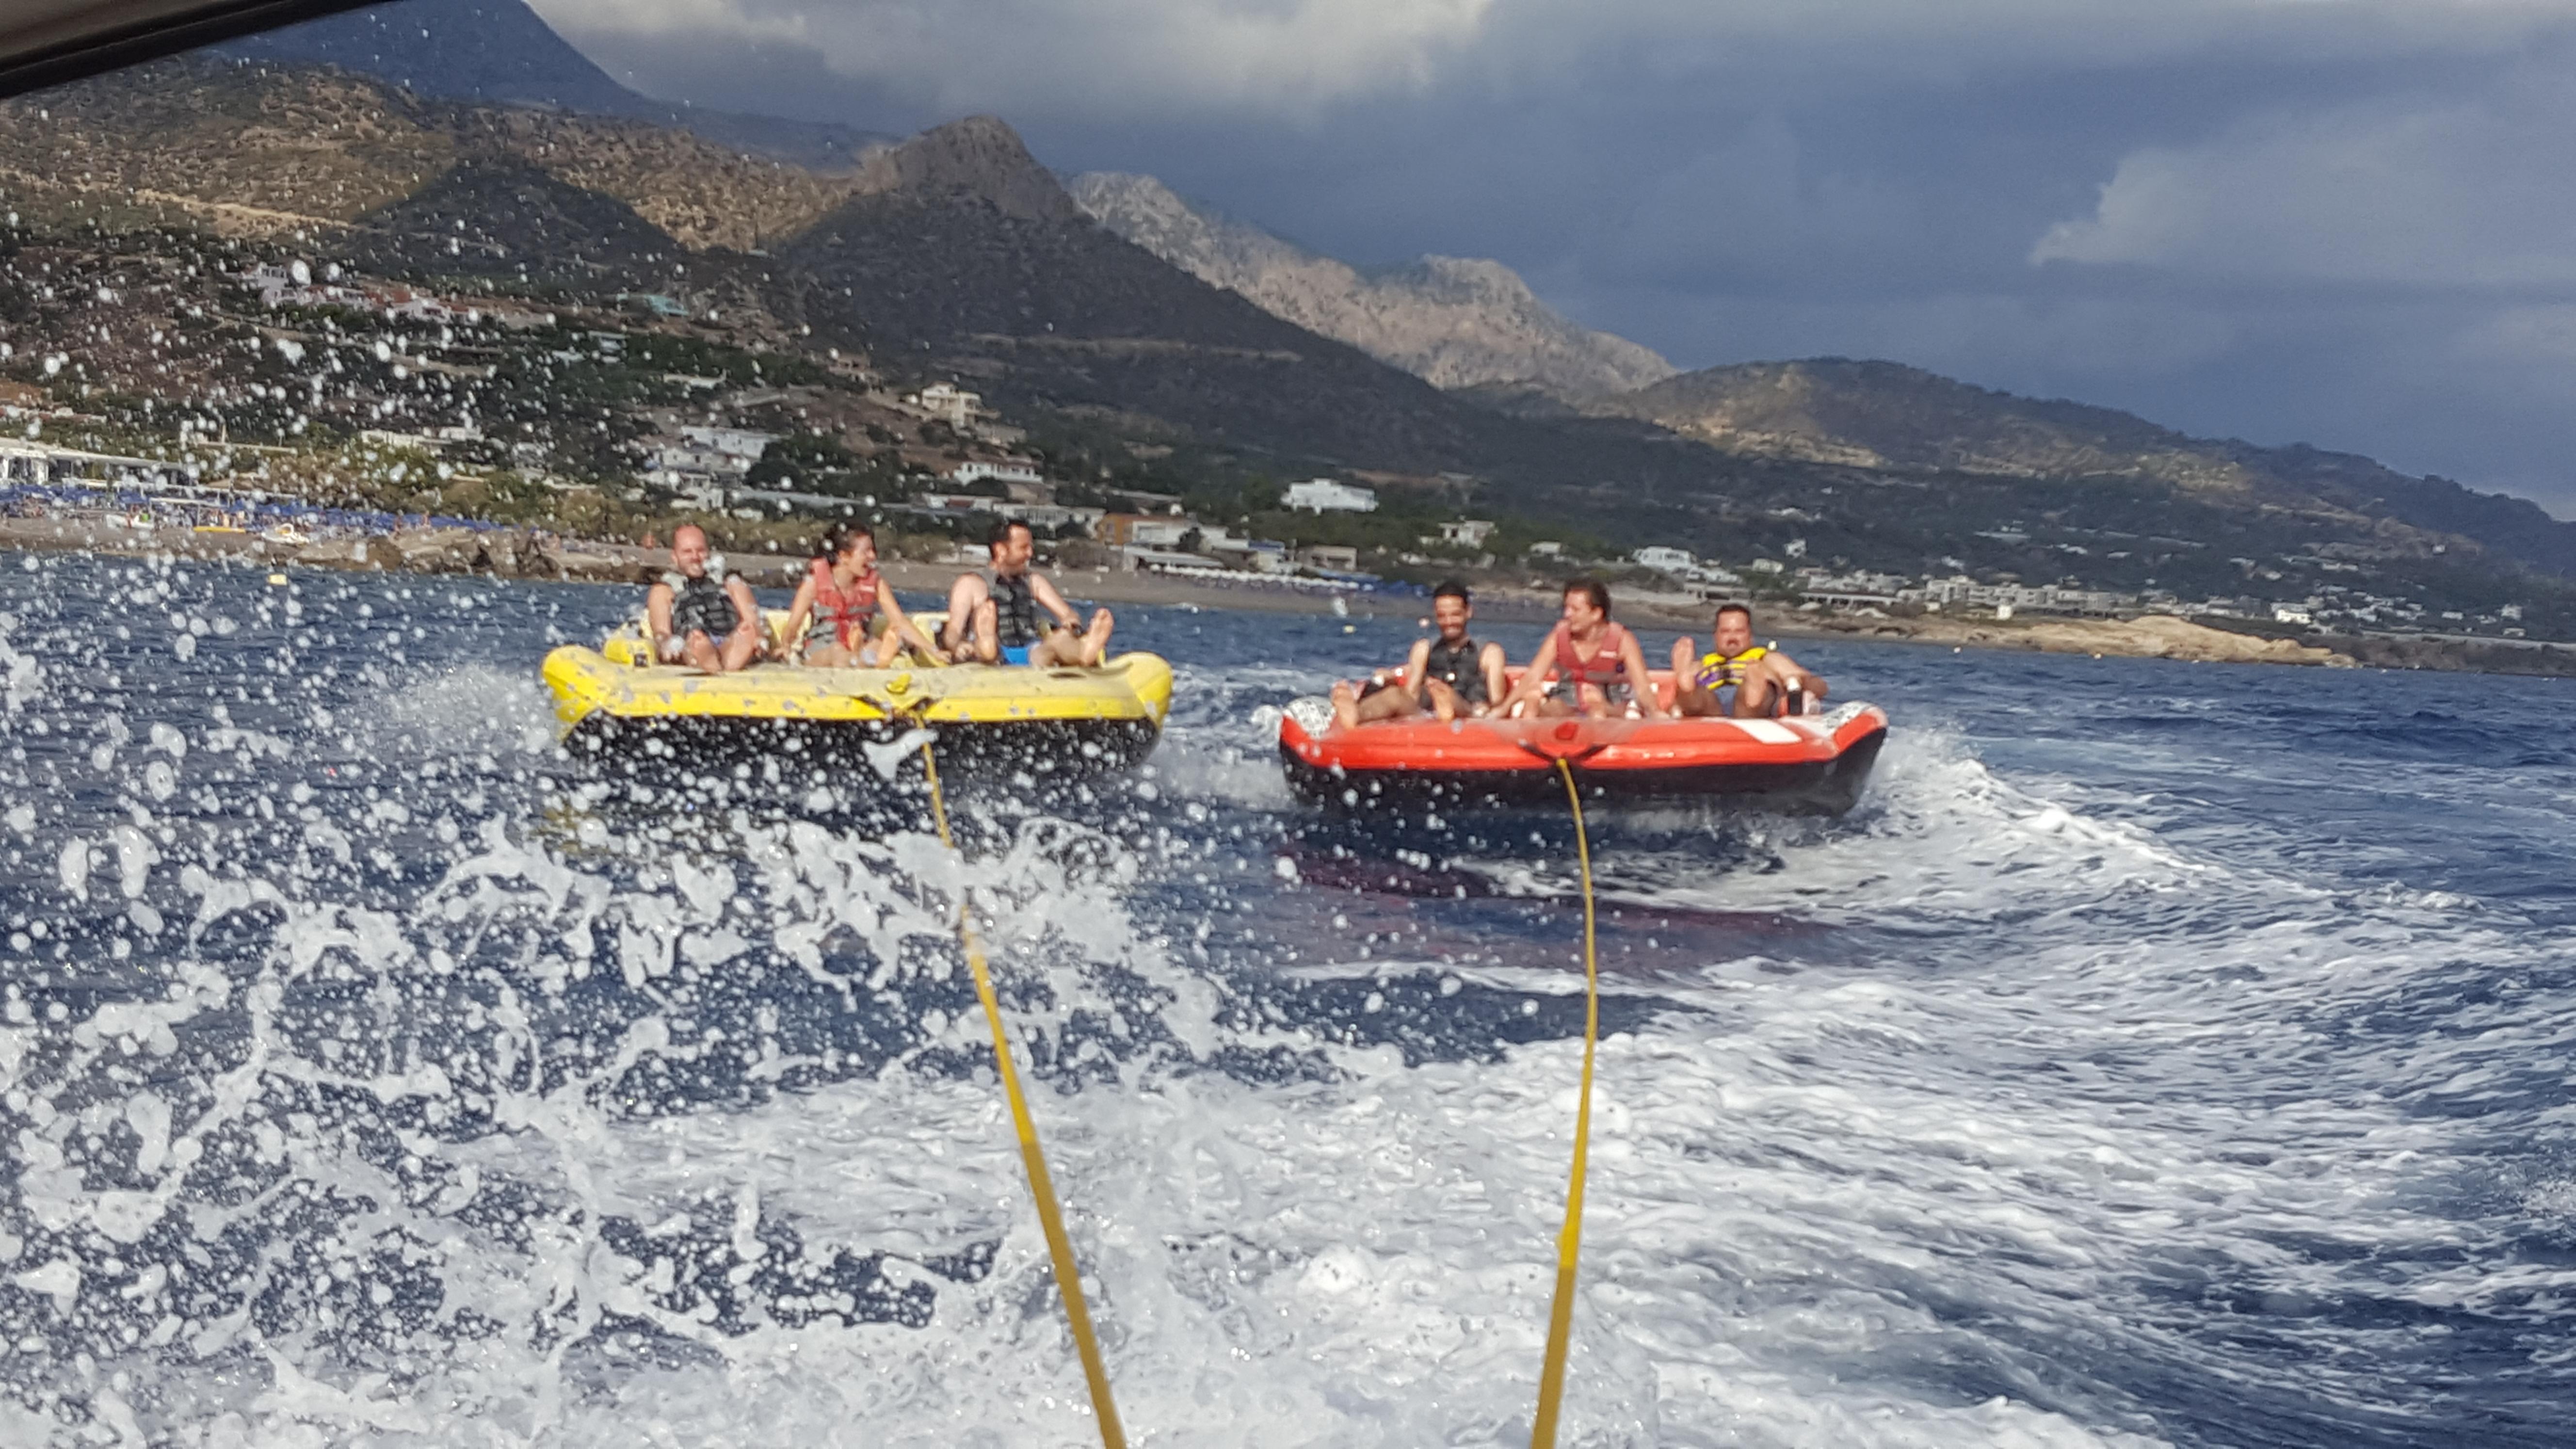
(1719, 670)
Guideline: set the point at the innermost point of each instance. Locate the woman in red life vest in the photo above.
(856, 621)
(1597, 666)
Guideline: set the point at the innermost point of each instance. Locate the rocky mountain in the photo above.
(1887, 417)
(961, 252)
(263, 150)
(505, 216)
(955, 254)
(500, 52)
(1457, 322)
(1884, 415)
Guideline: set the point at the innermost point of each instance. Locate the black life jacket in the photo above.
(1459, 668)
(1015, 609)
(701, 605)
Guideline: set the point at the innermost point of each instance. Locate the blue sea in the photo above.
(2160, 1054)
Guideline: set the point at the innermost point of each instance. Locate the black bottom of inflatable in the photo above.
(802, 753)
(1817, 787)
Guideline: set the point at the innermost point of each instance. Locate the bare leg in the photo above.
(987, 643)
(701, 653)
(741, 647)
(832, 656)
(1351, 709)
(1392, 702)
(1596, 702)
(1757, 697)
(1056, 649)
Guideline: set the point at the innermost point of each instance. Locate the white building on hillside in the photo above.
(949, 403)
(1323, 495)
(743, 444)
(1003, 472)
(1472, 532)
(1665, 560)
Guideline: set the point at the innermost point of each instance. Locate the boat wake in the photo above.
(358, 1098)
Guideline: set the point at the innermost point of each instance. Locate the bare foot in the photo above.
(1095, 640)
(1444, 700)
(1346, 705)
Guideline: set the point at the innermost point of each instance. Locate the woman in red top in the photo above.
(856, 621)
(1598, 667)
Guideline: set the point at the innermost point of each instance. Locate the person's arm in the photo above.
(1534, 679)
(1641, 682)
(799, 614)
(1053, 602)
(901, 623)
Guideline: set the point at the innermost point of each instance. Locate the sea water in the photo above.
(2160, 1054)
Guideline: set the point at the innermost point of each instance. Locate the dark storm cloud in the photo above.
(2346, 224)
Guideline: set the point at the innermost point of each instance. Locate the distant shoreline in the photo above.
(529, 558)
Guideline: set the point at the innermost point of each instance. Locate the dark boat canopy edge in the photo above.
(48, 42)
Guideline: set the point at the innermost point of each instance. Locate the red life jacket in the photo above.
(848, 612)
(1603, 670)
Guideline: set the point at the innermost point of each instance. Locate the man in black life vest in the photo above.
(700, 615)
(1451, 675)
(1761, 678)
(993, 613)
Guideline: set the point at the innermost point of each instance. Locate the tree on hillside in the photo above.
(801, 459)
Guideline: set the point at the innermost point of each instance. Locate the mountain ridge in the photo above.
(956, 254)
(501, 52)
(1890, 416)
(1456, 322)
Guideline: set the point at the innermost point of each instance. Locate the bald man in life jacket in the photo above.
(701, 613)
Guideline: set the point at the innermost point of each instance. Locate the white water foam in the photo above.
(1939, 1198)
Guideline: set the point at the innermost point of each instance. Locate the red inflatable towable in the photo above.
(1803, 764)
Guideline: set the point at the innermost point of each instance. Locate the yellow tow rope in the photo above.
(1569, 1241)
(1068, 1278)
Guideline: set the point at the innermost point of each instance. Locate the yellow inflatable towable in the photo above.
(618, 710)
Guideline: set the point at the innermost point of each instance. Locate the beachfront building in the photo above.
(1043, 518)
(30, 462)
(1141, 530)
(1665, 560)
(1324, 495)
(1959, 590)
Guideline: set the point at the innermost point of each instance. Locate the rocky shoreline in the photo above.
(528, 554)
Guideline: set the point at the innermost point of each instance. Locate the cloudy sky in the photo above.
(2344, 222)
